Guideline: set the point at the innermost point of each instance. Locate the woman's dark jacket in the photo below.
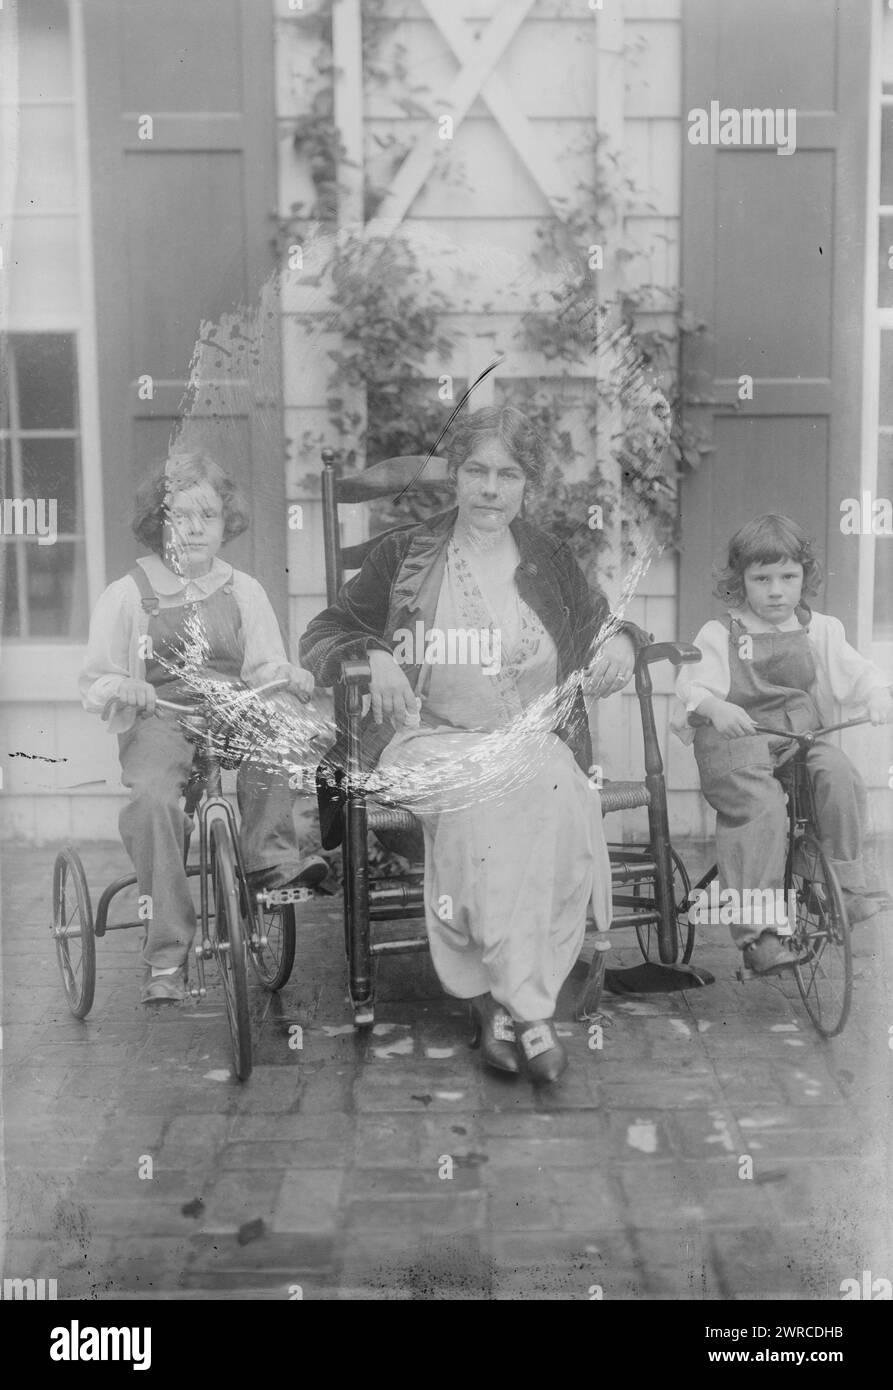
(399, 583)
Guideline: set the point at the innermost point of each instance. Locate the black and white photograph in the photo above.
(446, 776)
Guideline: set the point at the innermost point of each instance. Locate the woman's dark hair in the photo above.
(176, 474)
(511, 428)
(764, 541)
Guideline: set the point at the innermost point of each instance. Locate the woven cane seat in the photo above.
(623, 796)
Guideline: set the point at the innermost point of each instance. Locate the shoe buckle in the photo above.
(503, 1027)
(537, 1040)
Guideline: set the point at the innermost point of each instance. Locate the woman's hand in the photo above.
(392, 695)
(612, 668)
(300, 682)
(133, 694)
(880, 707)
(727, 719)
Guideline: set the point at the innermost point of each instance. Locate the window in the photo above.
(43, 590)
(883, 545)
(43, 518)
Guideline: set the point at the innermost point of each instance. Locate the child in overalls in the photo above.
(776, 662)
(181, 609)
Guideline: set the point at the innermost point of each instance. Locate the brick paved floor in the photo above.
(324, 1170)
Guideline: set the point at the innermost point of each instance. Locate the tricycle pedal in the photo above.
(283, 897)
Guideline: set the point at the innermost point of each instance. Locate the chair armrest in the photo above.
(680, 653)
(355, 673)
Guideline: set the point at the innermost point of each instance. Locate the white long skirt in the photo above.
(509, 877)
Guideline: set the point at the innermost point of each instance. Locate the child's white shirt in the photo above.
(119, 620)
(843, 676)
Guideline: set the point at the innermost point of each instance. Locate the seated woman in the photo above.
(491, 753)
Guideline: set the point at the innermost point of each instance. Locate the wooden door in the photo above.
(773, 261)
(181, 224)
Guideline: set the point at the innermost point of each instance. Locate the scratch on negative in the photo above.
(38, 757)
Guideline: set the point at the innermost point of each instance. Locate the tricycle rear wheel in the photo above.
(648, 935)
(272, 959)
(73, 934)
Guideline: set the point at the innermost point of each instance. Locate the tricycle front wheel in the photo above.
(229, 945)
(822, 938)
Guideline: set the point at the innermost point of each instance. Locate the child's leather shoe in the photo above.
(309, 872)
(770, 955)
(164, 989)
(862, 906)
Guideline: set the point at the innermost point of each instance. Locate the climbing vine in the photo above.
(390, 318)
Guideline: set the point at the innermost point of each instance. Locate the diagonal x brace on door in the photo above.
(515, 125)
(476, 77)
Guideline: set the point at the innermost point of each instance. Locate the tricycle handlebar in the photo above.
(810, 735)
(270, 688)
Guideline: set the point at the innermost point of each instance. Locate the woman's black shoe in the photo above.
(494, 1031)
(545, 1057)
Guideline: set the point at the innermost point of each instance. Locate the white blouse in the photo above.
(843, 676)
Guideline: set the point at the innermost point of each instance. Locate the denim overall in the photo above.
(156, 759)
(771, 677)
(215, 621)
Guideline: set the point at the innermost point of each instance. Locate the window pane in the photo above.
(9, 590)
(43, 264)
(51, 471)
(887, 51)
(885, 274)
(47, 381)
(56, 587)
(44, 52)
(46, 163)
(886, 382)
(883, 590)
(887, 155)
(883, 548)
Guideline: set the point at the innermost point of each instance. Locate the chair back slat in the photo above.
(408, 471)
(391, 475)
